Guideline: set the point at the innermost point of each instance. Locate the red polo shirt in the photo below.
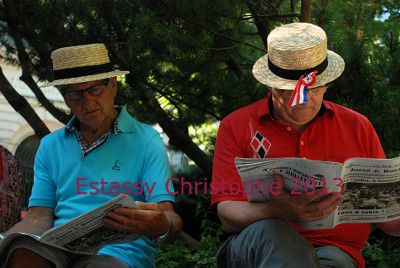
(337, 134)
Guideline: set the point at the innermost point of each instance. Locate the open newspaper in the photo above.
(84, 234)
(370, 188)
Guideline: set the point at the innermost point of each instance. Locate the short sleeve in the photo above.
(376, 150)
(44, 188)
(156, 172)
(226, 182)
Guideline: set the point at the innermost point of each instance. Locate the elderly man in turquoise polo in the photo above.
(100, 152)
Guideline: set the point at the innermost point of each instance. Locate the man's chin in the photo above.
(302, 120)
(92, 122)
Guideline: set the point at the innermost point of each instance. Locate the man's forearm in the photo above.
(237, 215)
(38, 220)
(31, 226)
(391, 227)
(176, 225)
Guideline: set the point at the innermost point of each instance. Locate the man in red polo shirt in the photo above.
(291, 122)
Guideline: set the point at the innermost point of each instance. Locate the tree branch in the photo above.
(262, 26)
(241, 42)
(175, 100)
(21, 106)
(25, 62)
(111, 15)
(273, 16)
(234, 67)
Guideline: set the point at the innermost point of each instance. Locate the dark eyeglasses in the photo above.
(75, 95)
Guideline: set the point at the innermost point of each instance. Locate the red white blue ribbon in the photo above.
(299, 95)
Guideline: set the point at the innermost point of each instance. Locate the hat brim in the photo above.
(87, 78)
(264, 75)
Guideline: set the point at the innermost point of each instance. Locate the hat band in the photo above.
(295, 74)
(82, 71)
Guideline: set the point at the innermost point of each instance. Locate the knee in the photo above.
(271, 230)
(99, 261)
(262, 236)
(22, 257)
(271, 241)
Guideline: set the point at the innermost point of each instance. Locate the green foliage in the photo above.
(378, 257)
(370, 47)
(200, 221)
(179, 255)
(374, 253)
(204, 136)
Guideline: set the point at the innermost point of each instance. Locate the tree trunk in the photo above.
(24, 60)
(262, 26)
(177, 136)
(305, 10)
(292, 6)
(21, 106)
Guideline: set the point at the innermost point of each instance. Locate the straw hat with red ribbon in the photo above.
(297, 51)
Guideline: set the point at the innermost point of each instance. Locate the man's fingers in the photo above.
(317, 195)
(147, 206)
(135, 214)
(321, 209)
(122, 224)
(118, 221)
(328, 200)
(140, 206)
(278, 184)
(278, 178)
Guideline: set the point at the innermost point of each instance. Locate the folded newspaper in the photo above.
(370, 188)
(84, 234)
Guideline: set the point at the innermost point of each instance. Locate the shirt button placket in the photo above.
(301, 148)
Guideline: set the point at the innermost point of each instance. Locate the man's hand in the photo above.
(304, 207)
(147, 219)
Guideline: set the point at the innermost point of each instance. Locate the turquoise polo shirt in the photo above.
(133, 161)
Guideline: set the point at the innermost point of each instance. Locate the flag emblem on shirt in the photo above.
(260, 145)
(299, 95)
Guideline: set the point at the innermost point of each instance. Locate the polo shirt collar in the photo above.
(266, 103)
(126, 122)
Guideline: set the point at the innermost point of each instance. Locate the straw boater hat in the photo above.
(297, 49)
(83, 63)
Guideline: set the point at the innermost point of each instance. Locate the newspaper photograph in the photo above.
(371, 190)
